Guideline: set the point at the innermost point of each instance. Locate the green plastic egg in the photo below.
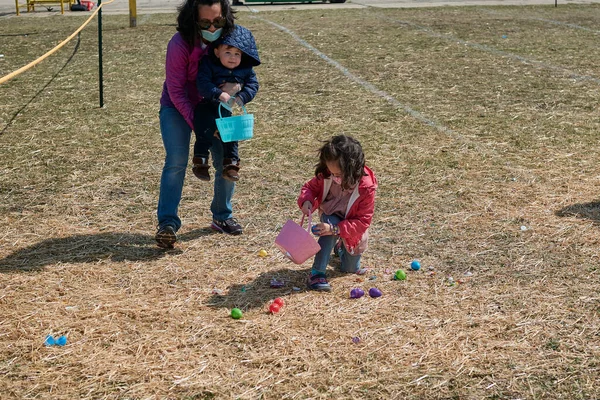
(400, 275)
(236, 313)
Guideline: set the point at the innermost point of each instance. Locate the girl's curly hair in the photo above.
(188, 17)
(349, 153)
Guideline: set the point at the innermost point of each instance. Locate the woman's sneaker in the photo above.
(318, 282)
(229, 226)
(166, 237)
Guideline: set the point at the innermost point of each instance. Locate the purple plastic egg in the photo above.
(374, 292)
(356, 293)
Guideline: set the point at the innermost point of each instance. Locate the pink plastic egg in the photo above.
(274, 308)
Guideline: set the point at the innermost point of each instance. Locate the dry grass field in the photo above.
(482, 125)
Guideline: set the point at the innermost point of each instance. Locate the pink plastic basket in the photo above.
(296, 242)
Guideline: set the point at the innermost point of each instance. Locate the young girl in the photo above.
(343, 190)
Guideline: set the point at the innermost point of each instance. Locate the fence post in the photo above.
(100, 80)
(132, 14)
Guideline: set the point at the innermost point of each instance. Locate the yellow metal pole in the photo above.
(132, 14)
(17, 4)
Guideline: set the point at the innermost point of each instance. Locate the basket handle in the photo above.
(226, 106)
(309, 221)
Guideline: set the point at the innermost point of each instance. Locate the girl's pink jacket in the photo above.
(359, 212)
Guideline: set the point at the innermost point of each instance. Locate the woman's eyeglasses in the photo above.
(217, 23)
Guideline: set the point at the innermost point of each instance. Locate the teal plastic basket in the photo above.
(236, 127)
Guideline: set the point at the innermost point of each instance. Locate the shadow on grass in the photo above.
(91, 248)
(589, 211)
(258, 293)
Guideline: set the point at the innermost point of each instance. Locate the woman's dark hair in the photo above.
(348, 152)
(188, 17)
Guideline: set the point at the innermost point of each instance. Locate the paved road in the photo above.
(7, 7)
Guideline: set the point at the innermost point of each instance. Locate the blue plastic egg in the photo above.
(415, 265)
(314, 230)
(49, 341)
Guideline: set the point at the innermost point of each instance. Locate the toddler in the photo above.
(232, 60)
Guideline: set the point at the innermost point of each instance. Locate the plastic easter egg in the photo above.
(236, 313)
(374, 292)
(356, 293)
(49, 341)
(400, 275)
(356, 339)
(314, 230)
(415, 265)
(61, 341)
(263, 253)
(274, 308)
(277, 283)
(279, 301)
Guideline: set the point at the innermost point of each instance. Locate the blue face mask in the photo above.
(211, 36)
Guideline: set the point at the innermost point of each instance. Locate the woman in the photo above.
(199, 22)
